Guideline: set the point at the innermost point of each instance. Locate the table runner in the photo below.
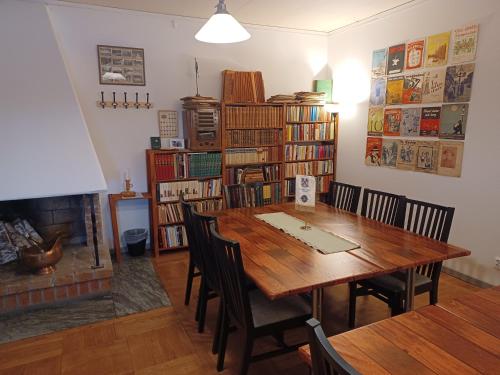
(323, 241)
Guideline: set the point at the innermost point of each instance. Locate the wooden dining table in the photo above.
(457, 337)
(281, 265)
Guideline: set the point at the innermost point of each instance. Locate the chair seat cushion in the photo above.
(396, 281)
(266, 312)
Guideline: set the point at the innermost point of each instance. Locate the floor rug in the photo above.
(135, 288)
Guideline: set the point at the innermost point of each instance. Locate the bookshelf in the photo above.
(281, 139)
(197, 174)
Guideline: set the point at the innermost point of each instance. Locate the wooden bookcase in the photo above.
(156, 205)
(280, 123)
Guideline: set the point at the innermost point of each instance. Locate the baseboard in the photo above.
(466, 278)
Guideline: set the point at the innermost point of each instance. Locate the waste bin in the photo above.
(136, 241)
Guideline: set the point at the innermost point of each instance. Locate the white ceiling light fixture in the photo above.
(222, 28)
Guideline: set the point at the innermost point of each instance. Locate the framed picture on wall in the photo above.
(121, 66)
(176, 143)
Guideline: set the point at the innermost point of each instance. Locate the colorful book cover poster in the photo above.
(373, 149)
(450, 158)
(407, 155)
(375, 121)
(453, 121)
(415, 54)
(429, 121)
(392, 121)
(412, 89)
(458, 83)
(410, 122)
(389, 153)
(396, 59)
(379, 62)
(433, 86)
(437, 49)
(394, 90)
(377, 92)
(427, 156)
(464, 44)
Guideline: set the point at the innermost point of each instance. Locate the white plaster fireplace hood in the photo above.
(45, 147)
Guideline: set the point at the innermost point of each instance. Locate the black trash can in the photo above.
(136, 241)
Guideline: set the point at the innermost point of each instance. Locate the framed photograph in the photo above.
(177, 143)
(121, 66)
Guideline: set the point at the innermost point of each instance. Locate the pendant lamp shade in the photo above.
(222, 28)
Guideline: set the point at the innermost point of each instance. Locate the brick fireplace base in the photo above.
(72, 279)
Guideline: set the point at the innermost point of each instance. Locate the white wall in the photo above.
(45, 147)
(476, 194)
(289, 62)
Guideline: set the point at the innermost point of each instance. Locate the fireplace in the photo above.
(76, 275)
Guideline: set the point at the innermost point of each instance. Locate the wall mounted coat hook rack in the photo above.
(125, 104)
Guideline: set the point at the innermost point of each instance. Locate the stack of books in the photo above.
(306, 97)
(252, 155)
(197, 101)
(282, 99)
(172, 236)
(170, 191)
(252, 195)
(169, 213)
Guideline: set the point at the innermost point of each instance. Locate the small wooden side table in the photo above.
(113, 200)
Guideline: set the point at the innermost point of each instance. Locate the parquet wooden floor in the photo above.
(165, 341)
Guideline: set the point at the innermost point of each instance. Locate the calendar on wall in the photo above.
(168, 123)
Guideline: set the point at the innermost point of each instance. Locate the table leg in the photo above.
(410, 289)
(116, 234)
(317, 303)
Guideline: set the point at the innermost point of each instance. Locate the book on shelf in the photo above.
(172, 236)
(309, 168)
(253, 116)
(252, 195)
(170, 166)
(169, 213)
(270, 173)
(310, 132)
(252, 155)
(322, 185)
(307, 113)
(169, 191)
(304, 152)
(253, 137)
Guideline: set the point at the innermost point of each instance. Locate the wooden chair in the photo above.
(426, 219)
(382, 206)
(250, 311)
(344, 196)
(324, 358)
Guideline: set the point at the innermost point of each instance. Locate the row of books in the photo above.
(307, 113)
(253, 117)
(252, 155)
(309, 168)
(169, 213)
(304, 152)
(310, 132)
(170, 191)
(322, 185)
(253, 137)
(252, 195)
(186, 165)
(172, 236)
(269, 173)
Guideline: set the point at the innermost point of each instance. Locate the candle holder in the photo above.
(128, 192)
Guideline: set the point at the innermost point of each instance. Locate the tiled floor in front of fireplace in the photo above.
(135, 288)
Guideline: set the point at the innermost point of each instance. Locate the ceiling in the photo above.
(312, 15)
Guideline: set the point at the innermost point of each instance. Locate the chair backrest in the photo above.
(232, 279)
(325, 359)
(429, 220)
(201, 225)
(193, 244)
(344, 196)
(384, 207)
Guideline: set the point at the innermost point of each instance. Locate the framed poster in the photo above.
(121, 66)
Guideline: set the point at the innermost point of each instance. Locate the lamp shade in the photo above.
(222, 28)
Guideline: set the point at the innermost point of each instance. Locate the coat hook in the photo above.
(103, 105)
(148, 104)
(115, 104)
(136, 100)
(125, 103)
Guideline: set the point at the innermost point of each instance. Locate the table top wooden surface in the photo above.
(281, 265)
(458, 337)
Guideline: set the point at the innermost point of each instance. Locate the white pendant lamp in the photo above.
(222, 28)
